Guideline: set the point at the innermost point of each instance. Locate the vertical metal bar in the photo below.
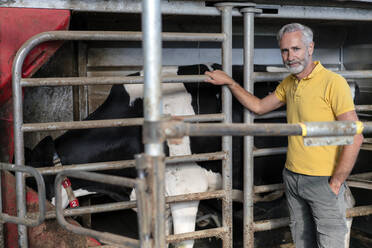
(151, 28)
(19, 143)
(226, 10)
(81, 109)
(248, 235)
(83, 106)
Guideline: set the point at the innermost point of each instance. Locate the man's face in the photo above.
(295, 54)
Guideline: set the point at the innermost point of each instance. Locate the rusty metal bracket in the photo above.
(167, 128)
(152, 132)
(104, 237)
(41, 194)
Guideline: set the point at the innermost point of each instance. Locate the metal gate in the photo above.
(152, 37)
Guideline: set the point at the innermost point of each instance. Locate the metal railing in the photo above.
(20, 128)
(39, 218)
(227, 128)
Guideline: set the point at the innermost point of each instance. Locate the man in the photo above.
(314, 177)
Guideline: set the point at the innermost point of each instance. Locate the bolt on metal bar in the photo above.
(23, 220)
(55, 126)
(73, 81)
(102, 236)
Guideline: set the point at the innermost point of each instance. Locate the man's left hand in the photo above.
(335, 187)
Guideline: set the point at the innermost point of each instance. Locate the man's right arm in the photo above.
(251, 102)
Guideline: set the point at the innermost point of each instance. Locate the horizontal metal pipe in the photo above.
(116, 165)
(359, 211)
(313, 129)
(77, 81)
(363, 107)
(55, 126)
(269, 151)
(268, 188)
(274, 114)
(218, 194)
(125, 36)
(266, 225)
(315, 13)
(366, 175)
(132, 204)
(259, 77)
(189, 8)
(235, 130)
(101, 178)
(361, 184)
(208, 233)
(101, 208)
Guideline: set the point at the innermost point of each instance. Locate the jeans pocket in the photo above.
(329, 188)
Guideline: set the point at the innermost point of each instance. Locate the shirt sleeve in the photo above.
(280, 92)
(341, 99)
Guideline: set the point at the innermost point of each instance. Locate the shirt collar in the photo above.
(318, 67)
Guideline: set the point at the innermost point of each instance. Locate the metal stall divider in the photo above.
(18, 82)
(20, 127)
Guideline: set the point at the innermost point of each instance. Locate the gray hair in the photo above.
(307, 33)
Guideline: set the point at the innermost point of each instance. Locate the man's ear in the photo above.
(311, 48)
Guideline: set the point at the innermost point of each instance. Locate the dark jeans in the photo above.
(317, 214)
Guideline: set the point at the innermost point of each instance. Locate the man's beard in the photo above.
(298, 69)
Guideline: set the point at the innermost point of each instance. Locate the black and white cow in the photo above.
(121, 143)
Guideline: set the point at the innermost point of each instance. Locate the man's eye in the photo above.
(296, 48)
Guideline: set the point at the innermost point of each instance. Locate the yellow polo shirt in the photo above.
(321, 96)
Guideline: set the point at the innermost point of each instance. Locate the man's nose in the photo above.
(290, 55)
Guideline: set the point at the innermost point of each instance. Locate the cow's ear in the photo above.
(42, 154)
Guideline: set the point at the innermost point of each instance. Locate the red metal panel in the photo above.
(17, 25)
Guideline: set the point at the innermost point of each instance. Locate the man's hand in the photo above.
(219, 77)
(335, 186)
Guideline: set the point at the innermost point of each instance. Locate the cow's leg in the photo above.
(184, 216)
(185, 179)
